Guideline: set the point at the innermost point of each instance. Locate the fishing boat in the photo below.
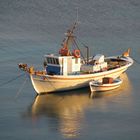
(105, 84)
(69, 69)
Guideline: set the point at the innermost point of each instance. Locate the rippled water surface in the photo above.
(31, 28)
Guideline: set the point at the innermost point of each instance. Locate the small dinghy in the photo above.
(105, 84)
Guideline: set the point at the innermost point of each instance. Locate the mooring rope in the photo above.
(20, 89)
(11, 80)
(136, 61)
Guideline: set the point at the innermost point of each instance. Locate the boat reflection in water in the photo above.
(120, 98)
(64, 112)
(126, 85)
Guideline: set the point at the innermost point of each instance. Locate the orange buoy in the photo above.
(76, 53)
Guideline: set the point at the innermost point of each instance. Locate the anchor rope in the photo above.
(136, 61)
(20, 89)
(11, 80)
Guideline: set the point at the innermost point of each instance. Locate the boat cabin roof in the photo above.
(55, 56)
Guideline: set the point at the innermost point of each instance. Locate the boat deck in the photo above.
(111, 63)
(114, 63)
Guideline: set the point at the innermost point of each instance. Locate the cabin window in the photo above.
(49, 60)
(52, 60)
(57, 62)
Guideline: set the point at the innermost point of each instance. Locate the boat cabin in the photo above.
(62, 65)
(97, 64)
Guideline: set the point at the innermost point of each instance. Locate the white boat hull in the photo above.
(104, 87)
(55, 83)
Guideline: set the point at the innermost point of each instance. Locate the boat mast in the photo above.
(65, 50)
(68, 40)
(70, 36)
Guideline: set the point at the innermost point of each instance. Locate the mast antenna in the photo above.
(77, 15)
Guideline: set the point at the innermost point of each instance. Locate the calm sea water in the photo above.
(31, 28)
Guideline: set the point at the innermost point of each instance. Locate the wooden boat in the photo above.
(70, 70)
(105, 84)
